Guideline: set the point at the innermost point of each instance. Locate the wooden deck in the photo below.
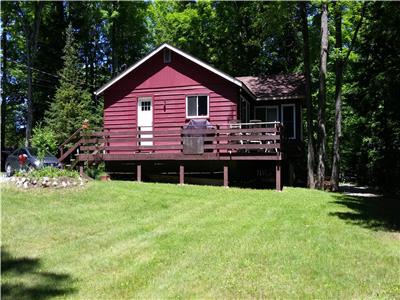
(227, 142)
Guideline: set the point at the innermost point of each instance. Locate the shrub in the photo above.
(44, 140)
(95, 171)
(48, 172)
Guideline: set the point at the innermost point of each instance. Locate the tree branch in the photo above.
(353, 40)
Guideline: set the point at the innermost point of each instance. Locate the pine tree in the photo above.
(72, 102)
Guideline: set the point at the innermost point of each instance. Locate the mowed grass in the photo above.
(120, 240)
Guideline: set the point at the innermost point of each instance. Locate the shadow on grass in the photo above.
(377, 213)
(22, 278)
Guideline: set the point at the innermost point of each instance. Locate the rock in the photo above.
(64, 184)
(46, 178)
(26, 185)
(55, 183)
(45, 184)
(34, 181)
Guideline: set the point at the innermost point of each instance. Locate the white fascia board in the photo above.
(280, 98)
(127, 71)
(180, 52)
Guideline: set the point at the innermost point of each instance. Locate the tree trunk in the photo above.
(114, 52)
(307, 74)
(29, 106)
(31, 35)
(322, 96)
(4, 81)
(338, 102)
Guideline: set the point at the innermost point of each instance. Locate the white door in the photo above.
(145, 118)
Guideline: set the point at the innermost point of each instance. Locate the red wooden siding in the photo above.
(168, 85)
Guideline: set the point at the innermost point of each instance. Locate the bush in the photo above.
(95, 171)
(48, 172)
(44, 140)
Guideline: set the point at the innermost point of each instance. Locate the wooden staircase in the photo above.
(71, 148)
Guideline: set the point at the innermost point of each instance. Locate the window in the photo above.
(267, 113)
(196, 106)
(272, 113)
(167, 56)
(260, 113)
(289, 120)
(244, 110)
(145, 105)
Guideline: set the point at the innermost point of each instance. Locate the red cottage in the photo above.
(173, 107)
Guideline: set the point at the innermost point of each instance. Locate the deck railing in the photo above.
(239, 139)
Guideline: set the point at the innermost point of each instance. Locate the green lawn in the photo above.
(118, 240)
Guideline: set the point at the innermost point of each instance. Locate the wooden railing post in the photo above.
(226, 176)
(217, 135)
(138, 172)
(278, 176)
(181, 174)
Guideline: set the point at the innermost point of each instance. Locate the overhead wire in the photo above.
(49, 74)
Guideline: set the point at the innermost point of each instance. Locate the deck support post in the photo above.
(181, 174)
(291, 174)
(138, 172)
(81, 170)
(278, 175)
(226, 176)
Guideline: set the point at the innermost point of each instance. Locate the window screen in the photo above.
(192, 106)
(197, 106)
(260, 114)
(272, 114)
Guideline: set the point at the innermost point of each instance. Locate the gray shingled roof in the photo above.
(282, 86)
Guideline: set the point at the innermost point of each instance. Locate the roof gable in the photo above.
(180, 52)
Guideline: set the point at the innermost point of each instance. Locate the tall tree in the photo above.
(340, 65)
(4, 44)
(374, 152)
(30, 14)
(310, 110)
(322, 96)
(124, 22)
(338, 99)
(72, 102)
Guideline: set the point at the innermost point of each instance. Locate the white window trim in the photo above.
(265, 107)
(294, 118)
(198, 117)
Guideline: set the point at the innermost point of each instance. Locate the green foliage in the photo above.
(48, 172)
(95, 171)
(371, 128)
(44, 140)
(235, 37)
(72, 102)
(238, 37)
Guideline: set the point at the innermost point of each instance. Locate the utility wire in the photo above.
(49, 74)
